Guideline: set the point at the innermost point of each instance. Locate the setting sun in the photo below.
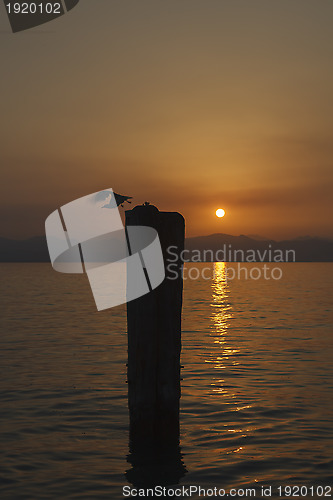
(220, 212)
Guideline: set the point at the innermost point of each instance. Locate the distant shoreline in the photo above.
(202, 249)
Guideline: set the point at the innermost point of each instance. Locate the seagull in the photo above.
(120, 199)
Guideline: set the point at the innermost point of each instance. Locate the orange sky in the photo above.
(191, 105)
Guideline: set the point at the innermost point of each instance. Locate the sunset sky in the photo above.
(191, 105)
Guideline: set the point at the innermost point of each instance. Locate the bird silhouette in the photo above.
(120, 199)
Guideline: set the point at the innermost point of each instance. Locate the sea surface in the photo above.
(257, 388)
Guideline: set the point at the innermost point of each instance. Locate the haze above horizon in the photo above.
(190, 105)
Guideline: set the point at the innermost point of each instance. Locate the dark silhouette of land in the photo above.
(31, 250)
(304, 249)
(307, 248)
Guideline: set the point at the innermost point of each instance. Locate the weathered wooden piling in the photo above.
(154, 338)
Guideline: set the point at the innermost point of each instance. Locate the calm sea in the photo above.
(256, 406)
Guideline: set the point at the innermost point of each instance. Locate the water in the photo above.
(256, 406)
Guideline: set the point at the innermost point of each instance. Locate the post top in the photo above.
(145, 208)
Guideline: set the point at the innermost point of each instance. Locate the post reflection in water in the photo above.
(155, 465)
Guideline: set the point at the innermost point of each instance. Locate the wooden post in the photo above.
(154, 338)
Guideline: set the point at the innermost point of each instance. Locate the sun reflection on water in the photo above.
(221, 316)
(223, 354)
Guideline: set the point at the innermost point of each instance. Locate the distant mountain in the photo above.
(256, 237)
(224, 247)
(243, 248)
(31, 250)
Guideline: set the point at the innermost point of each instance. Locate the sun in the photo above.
(220, 212)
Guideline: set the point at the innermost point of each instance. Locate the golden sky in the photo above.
(189, 104)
